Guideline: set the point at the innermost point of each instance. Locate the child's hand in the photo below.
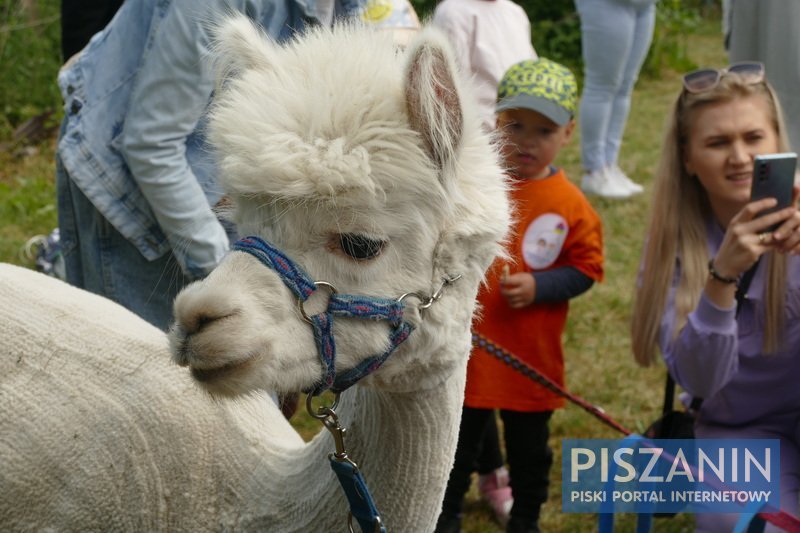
(519, 289)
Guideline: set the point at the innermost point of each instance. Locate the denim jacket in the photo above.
(132, 136)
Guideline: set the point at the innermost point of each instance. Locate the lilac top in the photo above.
(718, 357)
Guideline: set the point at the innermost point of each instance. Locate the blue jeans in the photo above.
(615, 39)
(99, 259)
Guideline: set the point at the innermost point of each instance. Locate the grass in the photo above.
(27, 198)
(599, 364)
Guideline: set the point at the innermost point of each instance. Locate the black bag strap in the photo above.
(669, 394)
(741, 294)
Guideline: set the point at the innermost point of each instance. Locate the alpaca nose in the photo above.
(199, 306)
(197, 322)
(192, 318)
(185, 326)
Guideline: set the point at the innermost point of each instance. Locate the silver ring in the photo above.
(762, 237)
(324, 411)
(301, 303)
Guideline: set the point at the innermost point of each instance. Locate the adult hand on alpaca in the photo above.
(519, 288)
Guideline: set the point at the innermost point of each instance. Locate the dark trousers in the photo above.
(490, 457)
(80, 19)
(529, 459)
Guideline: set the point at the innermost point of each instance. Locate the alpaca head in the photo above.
(364, 166)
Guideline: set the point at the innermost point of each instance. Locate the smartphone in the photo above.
(773, 177)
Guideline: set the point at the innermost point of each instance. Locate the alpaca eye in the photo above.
(360, 247)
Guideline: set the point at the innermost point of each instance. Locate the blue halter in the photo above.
(346, 305)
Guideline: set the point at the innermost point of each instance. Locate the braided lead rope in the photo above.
(533, 374)
(779, 518)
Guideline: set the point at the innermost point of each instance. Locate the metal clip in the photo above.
(445, 282)
(327, 415)
(331, 423)
(427, 301)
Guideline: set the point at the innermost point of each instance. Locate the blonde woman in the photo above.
(704, 235)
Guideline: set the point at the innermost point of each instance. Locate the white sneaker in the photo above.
(619, 176)
(602, 183)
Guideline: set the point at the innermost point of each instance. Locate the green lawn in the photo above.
(600, 367)
(27, 199)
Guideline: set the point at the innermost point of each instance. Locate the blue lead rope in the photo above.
(362, 508)
(344, 305)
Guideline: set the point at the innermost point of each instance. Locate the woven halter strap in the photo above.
(344, 305)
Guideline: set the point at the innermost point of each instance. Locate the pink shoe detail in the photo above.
(494, 489)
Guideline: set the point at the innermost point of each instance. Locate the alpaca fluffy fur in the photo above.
(336, 132)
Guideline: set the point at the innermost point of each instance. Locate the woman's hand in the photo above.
(787, 237)
(519, 289)
(748, 236)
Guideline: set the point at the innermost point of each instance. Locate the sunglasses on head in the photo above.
(705, 79)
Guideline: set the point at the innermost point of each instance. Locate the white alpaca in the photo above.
(333, 147)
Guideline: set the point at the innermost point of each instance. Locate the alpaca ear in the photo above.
(432, 98)
(237, 46)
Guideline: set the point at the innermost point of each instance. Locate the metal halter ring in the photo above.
(428, 301)
(301, 303)
(323, 411)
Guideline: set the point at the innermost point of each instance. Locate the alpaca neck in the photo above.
(403, 444)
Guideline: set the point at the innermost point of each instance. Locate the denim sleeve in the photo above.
(172, 91)
(560, 284)
(703, 357)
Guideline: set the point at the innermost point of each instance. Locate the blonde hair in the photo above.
(676, 232)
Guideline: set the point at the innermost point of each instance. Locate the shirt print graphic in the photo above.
(543, 240)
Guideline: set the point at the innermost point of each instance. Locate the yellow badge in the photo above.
(377, 11)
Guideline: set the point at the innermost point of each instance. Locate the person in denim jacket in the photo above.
(136, 182)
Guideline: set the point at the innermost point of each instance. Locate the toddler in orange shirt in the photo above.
(556, 253)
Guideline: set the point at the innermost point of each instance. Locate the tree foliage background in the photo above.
(30, 55)
(30, 48)
(556, 31)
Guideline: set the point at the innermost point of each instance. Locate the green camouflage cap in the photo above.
(541, 85)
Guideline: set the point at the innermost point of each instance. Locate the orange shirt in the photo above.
(555, 226)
